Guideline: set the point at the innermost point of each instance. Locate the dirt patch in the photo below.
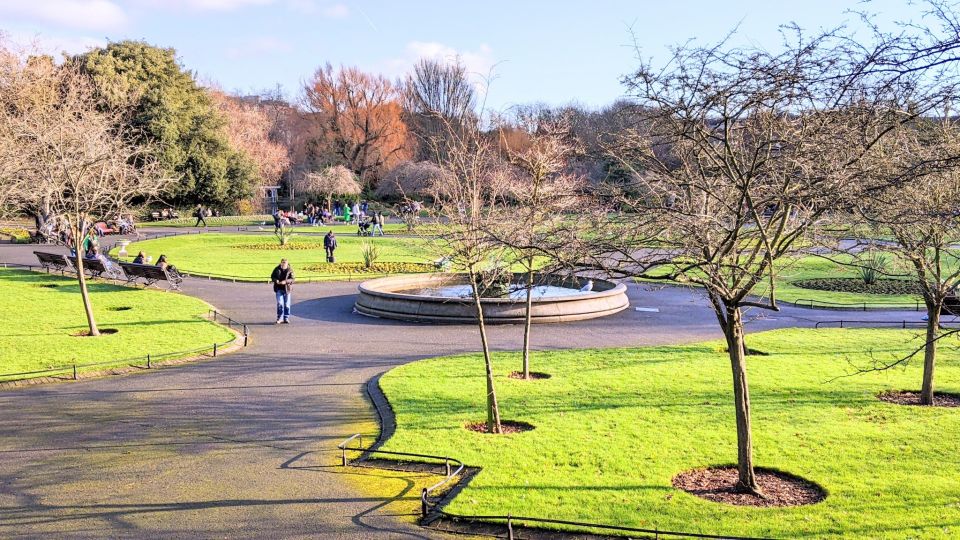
(779, 488)
(854, 285)
(103, 332)
(121, 308)
(906, 397)
(750, 352)
(534, 375)
(508, 426)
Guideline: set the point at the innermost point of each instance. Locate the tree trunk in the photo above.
(747, 481)
(528, 319)
(493, 409)
(84, 294)
(930, 353)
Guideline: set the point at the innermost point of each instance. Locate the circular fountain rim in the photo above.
(370, 287)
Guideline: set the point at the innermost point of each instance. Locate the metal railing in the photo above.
(431, 507)
(850, 323)
(857, 306)
(142, 361)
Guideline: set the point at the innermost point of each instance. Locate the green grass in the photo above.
(817, 267)
(42, 311)
(812, 267)
(614, 426)
(264, 220)
(251, 257)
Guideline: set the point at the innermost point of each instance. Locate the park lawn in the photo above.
(263, 220)
(251, 257)
(613, 426)
(42, 311)
(812, 267)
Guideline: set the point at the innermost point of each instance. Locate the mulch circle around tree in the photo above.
(103, 332)
(907, 397)
(856, 285)
(778, 488)
(534, 375)
(508, 426)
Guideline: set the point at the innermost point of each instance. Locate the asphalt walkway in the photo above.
(244, 446)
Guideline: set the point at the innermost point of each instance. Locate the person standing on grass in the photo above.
(329, 245)
(201, 215)
(282, 279)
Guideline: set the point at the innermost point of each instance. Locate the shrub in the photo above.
(15, 234)
(346, 268)
(284, 234)
(873, 267)
(370, 253)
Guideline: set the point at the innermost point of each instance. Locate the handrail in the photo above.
(427, 506)
(903, 324)
(860, 306)
(147, 359)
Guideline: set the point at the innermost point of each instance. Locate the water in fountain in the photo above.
(517, 291)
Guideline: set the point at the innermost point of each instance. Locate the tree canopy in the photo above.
(176, 116)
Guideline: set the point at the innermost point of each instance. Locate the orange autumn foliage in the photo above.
(248, 130)
(359, 120)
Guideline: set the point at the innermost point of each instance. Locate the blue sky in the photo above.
(553, 52)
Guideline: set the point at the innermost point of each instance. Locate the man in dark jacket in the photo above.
(330, 244)
(201, 216)
(282, 279)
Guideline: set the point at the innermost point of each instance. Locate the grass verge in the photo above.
(43, 312)
(614, 426)
(251, 257)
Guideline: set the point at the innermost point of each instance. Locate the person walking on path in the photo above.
(201, 215)
(378, 223)
(330, 244)
(282, 279)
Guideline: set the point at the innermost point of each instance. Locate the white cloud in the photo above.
(259, 46)
(478, 62)
(54, 45)
(83, 14)
(312, 7)
(206, 5)
(336, 11)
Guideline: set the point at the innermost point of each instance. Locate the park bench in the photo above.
(96, 268)
(53, 261)
(151, 274)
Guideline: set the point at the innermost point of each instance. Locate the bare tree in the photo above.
(538, 225)
(438, 96)
(739, 152)
(912, 204)
(465, 201)
(79, 163)
(410, 179)
(335, 180)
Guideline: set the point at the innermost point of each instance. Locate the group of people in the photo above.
(368, 223)
(142, 258)
(371, 225)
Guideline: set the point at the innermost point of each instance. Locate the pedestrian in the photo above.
(378, 222)
(201, 215)
(282, 279)
(330, 244)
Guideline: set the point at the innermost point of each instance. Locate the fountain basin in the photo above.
(397, 297)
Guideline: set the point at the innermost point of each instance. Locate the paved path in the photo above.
(242, 446)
